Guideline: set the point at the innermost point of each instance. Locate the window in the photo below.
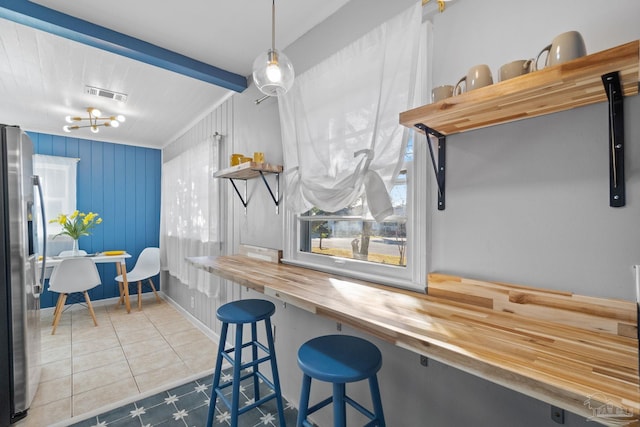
(355, 204)
(351, 243)
(58, 178)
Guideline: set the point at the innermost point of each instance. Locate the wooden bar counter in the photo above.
(574, 352)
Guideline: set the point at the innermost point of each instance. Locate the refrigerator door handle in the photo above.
(40, 285)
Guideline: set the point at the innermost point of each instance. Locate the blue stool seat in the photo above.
(339, 359)
(240, 313)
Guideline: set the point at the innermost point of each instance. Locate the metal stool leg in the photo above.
(216, 375)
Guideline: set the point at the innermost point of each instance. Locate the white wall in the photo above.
(526, 202)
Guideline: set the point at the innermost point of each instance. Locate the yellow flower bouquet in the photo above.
(77, 224)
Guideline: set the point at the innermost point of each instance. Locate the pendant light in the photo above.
(272, 71)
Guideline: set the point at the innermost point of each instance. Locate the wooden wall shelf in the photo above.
(564, 86)
(609, 75)
(251, 170)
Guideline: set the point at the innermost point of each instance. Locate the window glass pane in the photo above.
(352, 233)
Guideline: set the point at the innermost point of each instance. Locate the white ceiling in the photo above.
(42, 76)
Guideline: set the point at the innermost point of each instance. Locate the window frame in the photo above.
(413, 275)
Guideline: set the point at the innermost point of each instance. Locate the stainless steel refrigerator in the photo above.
(21, 275)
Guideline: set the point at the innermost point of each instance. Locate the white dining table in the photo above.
(100, 258)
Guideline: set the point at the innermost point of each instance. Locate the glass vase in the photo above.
(75, 251)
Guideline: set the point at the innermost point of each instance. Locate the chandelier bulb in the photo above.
(95, 129)
(66, 128)
(121, 118)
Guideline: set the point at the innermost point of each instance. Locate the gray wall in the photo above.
(526, 202)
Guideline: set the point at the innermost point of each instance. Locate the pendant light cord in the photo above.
(273, 26)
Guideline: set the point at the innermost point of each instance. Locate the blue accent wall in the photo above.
(122, 184)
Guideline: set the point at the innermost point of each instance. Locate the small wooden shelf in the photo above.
(251, 170)
(561, 87)
(248, 170)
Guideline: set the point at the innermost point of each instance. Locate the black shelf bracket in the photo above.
(275, 199)
(439, 168)
(615, 95)
(243, 198)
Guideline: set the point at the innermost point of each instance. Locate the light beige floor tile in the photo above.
(55, 354)
(54, 370)
(48, 414)
(179, 325)
(197, 349)
(101, 344)
(60, 339)
(186, 337)
(133, 336)
(101, 396)
(51, 391)
(99, 377)
(200, 363)
(92, 333)
(142, 348)
(154, 361)
(98, 359)
(169, 374)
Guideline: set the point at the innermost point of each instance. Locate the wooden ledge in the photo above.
(575, 368)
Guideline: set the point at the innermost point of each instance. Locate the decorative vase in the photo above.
(75, 251)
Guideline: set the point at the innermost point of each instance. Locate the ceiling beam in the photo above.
(63, 25)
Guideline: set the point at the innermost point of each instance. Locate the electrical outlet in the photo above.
(557, 414)
(193, 302)
(424, 360)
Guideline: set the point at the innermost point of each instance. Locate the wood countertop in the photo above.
(484, 328)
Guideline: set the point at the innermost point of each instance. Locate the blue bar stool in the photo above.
(239, 313)
(340, 359)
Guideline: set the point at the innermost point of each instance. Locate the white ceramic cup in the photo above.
(477, 77)
(563, 48)
(441, 92)
(516, 68)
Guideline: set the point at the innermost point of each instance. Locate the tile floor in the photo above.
(127, 355)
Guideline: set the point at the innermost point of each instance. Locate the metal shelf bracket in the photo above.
(275, 197)
(439, 168)
(615, 95)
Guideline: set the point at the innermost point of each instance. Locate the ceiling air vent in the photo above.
(121, 97)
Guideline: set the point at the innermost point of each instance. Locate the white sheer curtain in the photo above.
(190, 214)
(339, 122)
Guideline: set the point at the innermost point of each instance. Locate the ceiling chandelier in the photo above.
(272, 71)
(94, 120)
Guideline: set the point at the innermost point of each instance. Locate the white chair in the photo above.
(147, 266)
(70, 276)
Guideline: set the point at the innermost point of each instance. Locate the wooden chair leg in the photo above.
(154, 290)
(61, 300)
(139, 294)
(55, 311)
(93, 315)
(121, 289)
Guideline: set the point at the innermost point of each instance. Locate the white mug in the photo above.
(563, 48)
(477, 77)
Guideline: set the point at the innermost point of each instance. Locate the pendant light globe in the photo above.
(273, 73)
